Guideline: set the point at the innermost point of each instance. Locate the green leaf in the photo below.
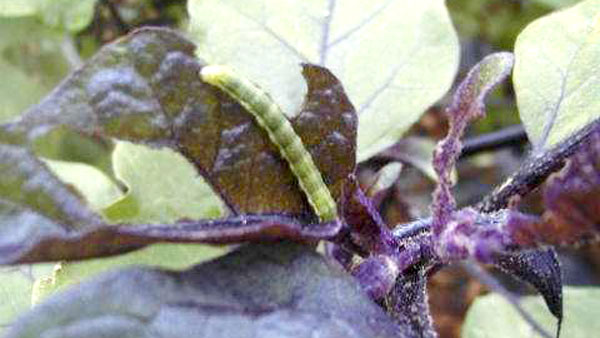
(491, 316)
(556, 73)
(16, 285)
(18, 8)
(31, 63)
(557, 3)
(392, 68)
(163, 187)
(70, 15)
(385, 178)
(97, 188)
(154, 179)
(171, 256)
(23, 91)
(64, 144)
(267, 290)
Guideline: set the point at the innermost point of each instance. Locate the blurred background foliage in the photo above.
(41, 41)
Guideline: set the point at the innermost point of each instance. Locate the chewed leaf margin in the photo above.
(146, 88)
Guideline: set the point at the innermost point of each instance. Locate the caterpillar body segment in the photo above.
(271, 118)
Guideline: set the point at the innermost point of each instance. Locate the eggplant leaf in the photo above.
(556, 74)
(281, 290)
(146, 88)
(491, 315)
(42, 219)
(28, 71)
(70, 15)
(395, 58)
(154, 180)
(16, 284)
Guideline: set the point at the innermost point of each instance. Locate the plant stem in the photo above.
(534, 171)
(509, 136)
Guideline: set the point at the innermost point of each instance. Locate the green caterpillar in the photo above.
(270, 117)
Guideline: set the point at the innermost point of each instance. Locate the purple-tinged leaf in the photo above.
(534, 266)
(484, 243)
(571, 217)
(27, 184)
(45, 221)
(146, 88)
(281, 290)
(41, 219)
(108, 240)
(471, 234)
(541, 269)
(377, 275)
(327, 125)
(467, 104)
(488, 238)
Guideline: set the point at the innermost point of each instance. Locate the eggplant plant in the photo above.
(270, 152)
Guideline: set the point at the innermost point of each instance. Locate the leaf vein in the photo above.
(387, 83)
(360, 25)
(326, 31)
(273, 34)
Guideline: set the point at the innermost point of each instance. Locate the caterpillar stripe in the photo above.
(271, 118)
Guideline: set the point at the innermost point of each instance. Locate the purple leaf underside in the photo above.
(277, 290)
(541, 269)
